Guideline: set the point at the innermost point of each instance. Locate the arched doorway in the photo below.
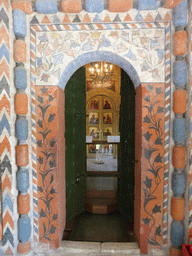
(49, 111)
(75, 108)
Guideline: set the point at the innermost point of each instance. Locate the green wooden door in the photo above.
(75, 141)
(126, 151)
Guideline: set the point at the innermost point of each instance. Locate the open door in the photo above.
(75, 137)
(126, 181)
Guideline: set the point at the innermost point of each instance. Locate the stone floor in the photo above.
(112, 227)
(70, 248)
(109, 163)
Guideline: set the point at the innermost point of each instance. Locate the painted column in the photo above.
(6, 196)
(51, 163)
(180, 78)
(20, 8)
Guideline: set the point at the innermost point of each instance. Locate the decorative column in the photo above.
(20, 8)
(180, 78)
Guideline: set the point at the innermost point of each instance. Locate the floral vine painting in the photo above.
(46, 165)
(143, 48)
(153, 109)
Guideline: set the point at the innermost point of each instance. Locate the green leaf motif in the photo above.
(160, 109)
(52, 164)
(44, 90)
(44, 227)
(158, 141)
(51, 180)
(149, 152)
(44, 134)
(40, 123)
(146, 221)
(43, 110)
(51, 98)
(47, 202)
(52, 191)
(148, 197)
(40, 189)
(149, 87)
(42, 214)
(158, 231)
(152, 241)
(40, 99)
(51, 118)
(158, 159)
(40, 159)
(146, 119)
(156, 209)
(52, 143)
(39, 143)
(43, 175)
(147, 136)
(147, 98)
(54, 216)
(148, 182)
(52, 230)
(158, 90)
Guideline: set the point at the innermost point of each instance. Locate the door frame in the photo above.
(142, 230)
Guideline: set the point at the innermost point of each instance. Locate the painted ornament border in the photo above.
(92, 27)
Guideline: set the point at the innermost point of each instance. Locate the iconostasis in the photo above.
(102, 117)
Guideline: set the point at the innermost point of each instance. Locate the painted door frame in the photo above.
(143, 92)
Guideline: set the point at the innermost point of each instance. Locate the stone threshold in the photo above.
(73, 248)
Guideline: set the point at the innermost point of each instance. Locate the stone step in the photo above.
(100, 205)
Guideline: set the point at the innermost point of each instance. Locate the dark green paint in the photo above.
(126, 154)
(75, 136)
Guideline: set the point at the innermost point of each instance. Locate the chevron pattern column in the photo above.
(6, 218)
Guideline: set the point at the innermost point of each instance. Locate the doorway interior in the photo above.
(99, 167)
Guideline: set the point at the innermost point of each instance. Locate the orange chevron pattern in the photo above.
(5, 145)
(8, 219)
(5, 3)
(5, 38)
(6, 184)
(4, 68)
(5, 103)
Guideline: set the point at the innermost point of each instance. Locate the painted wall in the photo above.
(48, 47)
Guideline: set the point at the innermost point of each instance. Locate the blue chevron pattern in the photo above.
(4, 18)
(8, 237)
(4, 86)
(7, 202)
(5, 164)
(4, 52)
(4, 123)
(5, 133)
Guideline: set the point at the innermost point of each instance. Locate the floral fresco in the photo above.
(46, 164)
(143, 48)
(153, 134)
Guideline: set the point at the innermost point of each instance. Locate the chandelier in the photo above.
(101, 73)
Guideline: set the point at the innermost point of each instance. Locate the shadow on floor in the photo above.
(111, 227)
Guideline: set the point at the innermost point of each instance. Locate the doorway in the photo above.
(76, 153)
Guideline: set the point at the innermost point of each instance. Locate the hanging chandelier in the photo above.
(101, 73)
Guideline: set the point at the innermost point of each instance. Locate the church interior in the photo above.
(103, 101)
(95, 127)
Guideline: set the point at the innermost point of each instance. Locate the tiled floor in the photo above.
(109, 164)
